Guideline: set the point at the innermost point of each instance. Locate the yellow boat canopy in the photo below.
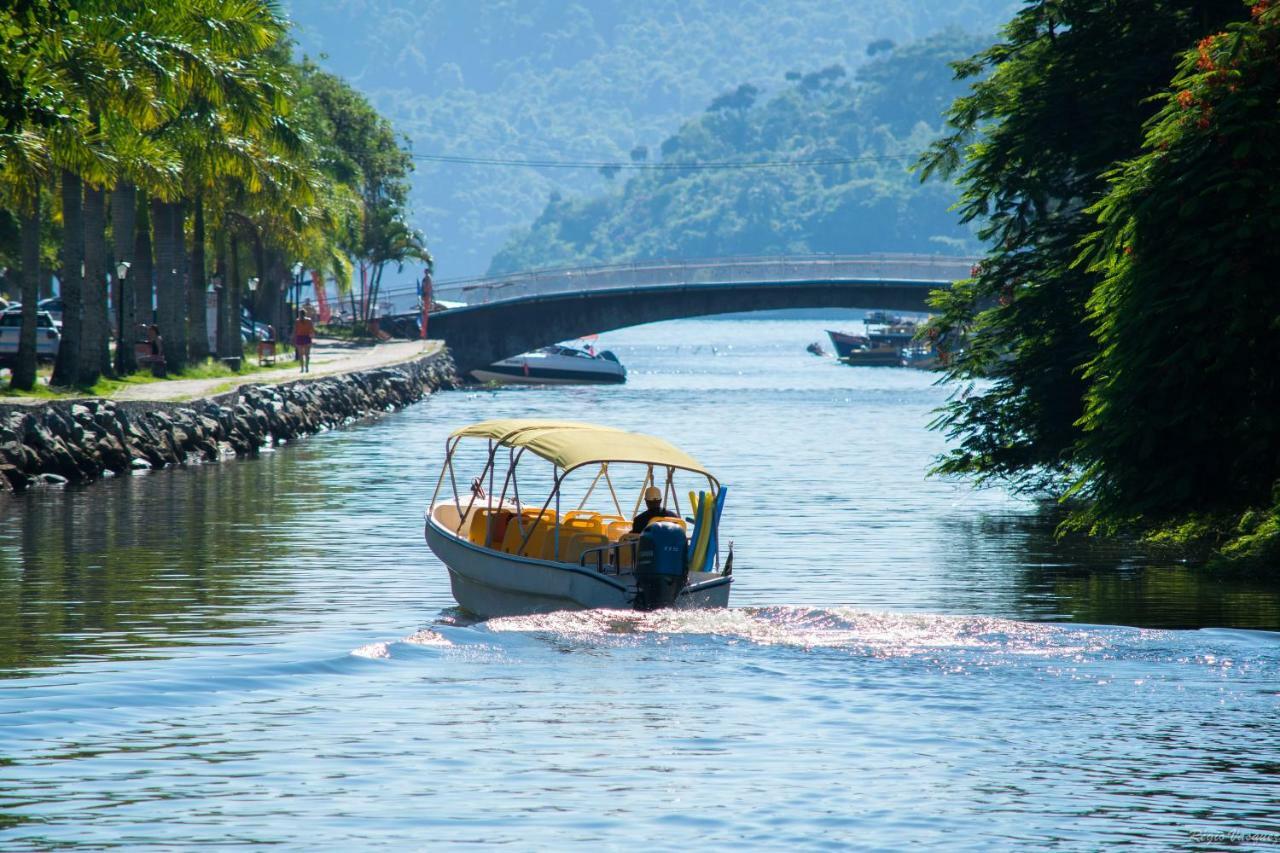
(571, 444)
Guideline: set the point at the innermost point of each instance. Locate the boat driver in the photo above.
(653, 509)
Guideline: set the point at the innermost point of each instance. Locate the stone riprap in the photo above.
(83, 440)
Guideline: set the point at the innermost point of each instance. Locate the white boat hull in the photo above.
(490, 583)
(537, 377)
(554, 366)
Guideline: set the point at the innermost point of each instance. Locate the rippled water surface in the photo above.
(265, 651)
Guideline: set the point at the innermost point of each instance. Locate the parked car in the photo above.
(254, 332)
(48, 337)
(54, 306)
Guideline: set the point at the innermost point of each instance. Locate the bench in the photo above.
(266, 352)
(142, 354)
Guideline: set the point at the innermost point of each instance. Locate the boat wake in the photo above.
(425, 637)
(886, 635)
(952, 642)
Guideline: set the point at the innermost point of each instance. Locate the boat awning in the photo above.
(570, 444)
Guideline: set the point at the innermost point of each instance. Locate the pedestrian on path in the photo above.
(303, 331)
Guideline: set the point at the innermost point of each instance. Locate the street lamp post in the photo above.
(253, 324)
(297, 288)
(122, 272)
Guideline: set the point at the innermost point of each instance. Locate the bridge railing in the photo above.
(926, 269)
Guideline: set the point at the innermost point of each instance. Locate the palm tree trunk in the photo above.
(124, 209)
(24, 370)
(143, 277)
(182, 285)
(221, 278)
(277, 287)
(94, 356)
(232, 287)
(257, 298)
(66, 369)
(197, 301)
(162, 235)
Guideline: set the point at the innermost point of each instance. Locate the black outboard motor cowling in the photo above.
(662, 565)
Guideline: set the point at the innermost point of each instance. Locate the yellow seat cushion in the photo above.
(571, 551)
(501, 517)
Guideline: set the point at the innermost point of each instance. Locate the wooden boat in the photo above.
(508, 557)
(846, 343)
(890, 342)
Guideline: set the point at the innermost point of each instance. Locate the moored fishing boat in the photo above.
(890, 341)
(509, 557)
(846, 343)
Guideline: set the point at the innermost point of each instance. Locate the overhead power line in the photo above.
(658, 167)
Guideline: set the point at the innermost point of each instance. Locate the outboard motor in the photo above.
(662, 565)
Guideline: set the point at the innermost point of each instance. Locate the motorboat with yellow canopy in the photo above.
(539, 538)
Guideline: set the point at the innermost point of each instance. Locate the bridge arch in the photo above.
(567, 304)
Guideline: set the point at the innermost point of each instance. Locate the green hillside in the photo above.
(891, 108)
(569, 79)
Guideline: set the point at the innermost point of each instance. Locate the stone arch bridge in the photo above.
(507, 315)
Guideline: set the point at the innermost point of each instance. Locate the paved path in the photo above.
(328, 357)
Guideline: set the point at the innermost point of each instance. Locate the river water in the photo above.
(265, 651)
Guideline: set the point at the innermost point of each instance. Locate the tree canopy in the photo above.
(1120, 334)
(173, 117)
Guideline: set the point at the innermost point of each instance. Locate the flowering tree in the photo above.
(1183, 407)
(1053, 106)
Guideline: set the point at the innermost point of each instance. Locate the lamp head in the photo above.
(253, 284)
(297, 268)
(122, 270)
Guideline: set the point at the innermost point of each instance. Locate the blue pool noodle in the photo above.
(714, 545)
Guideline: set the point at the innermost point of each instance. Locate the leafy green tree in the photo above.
(1183, 408)
(363, 151)
(1059, 100)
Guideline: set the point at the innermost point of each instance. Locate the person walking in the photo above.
(303, 332)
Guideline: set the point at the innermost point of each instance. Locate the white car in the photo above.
(47, 336)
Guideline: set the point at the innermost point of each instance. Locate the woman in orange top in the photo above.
(303, 331)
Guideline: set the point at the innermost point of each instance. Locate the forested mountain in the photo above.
(570, 79)
(881, 119)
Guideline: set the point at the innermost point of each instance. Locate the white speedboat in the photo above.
(555, 365)
(506, 557)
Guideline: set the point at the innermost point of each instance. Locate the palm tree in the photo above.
(232, 97)
(22, 166)
(106, 83)
(124, 209)
(66, 370)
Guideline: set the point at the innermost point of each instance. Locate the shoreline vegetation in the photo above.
(1120, 162)
(157, 159)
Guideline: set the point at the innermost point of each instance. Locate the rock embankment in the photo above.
(84, 440)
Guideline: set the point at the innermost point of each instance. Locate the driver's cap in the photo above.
(652, 494)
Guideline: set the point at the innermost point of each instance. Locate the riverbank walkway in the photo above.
(329, 357)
